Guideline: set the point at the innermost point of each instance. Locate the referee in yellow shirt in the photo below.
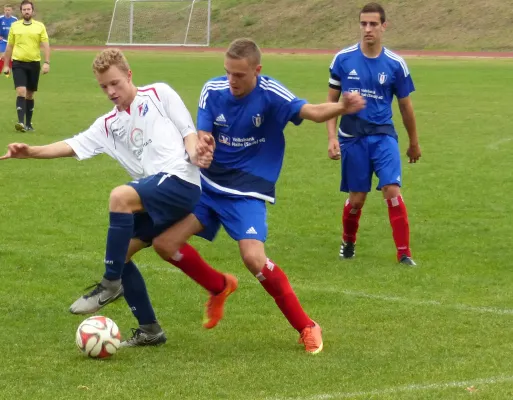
(23, 46)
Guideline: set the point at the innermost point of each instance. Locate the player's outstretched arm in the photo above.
(331, 126)
(408, 116)
(351, 103)
(22, 150)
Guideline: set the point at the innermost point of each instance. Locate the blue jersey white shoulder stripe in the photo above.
(212, 85)
(273, 86)
(343, 51)
(399, 59)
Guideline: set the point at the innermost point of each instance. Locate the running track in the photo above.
(406, 53)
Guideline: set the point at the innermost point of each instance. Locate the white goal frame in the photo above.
(131, 24)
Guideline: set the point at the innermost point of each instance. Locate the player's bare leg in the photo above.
(171, 246)
(276, 283)
(21, 108)
(350, 223)
(399, 222)
(124, 201)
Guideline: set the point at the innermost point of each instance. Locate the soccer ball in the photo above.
(98, 337)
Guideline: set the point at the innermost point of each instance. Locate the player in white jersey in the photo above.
(151, 134)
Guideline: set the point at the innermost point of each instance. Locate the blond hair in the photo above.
(244, 48)
(7, 6)
(109, 57)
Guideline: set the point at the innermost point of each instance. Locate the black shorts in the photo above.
(26, 74)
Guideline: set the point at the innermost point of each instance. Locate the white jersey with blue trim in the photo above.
(147, 138)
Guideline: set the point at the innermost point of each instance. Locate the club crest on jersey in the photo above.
(143, 109)
(382, 77)
(224, 139)
(258, 120)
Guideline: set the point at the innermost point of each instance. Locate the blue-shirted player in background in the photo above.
(368, 140)
(6, 21)
(246, 113)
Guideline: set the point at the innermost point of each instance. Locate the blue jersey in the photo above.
(378, 80)
(249, 136)
(5, 26)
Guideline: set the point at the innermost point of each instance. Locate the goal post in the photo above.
(160, 23)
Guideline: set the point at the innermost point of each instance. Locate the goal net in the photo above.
(160, 23)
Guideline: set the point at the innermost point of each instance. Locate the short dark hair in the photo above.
(374, 8)
(25, 2)
(7, 6)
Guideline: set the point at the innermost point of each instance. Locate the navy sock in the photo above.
(30, 111)
(136, 295)
(21, 107)
(120, 232)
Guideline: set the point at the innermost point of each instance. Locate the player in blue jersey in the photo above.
(246, 113)
(6, 21)
(367, 141)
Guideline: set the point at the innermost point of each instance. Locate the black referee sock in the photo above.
(30, 111)
(21, 106)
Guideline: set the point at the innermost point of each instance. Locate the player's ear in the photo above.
(258, 69)
(129, 74)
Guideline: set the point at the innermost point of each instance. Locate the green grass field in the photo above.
(390, 332)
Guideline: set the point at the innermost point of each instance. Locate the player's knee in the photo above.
(121, 199)
(357, 200)
(254, 260)
(29, 95)
(165, 247)
(391, 191)
(21, 91)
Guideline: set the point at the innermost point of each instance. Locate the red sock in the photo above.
(276, 283)
(350, 222)
(400, 226)
(191, 263)
(1, 64)
(10, 64)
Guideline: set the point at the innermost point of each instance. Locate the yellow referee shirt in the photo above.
(26, 40)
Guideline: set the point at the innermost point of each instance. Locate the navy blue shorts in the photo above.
(242, 217)
(367, 155)
(166, 200)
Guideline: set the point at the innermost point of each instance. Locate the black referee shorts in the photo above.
(26, 74)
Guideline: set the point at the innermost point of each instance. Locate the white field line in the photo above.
(371, 296)
(495, 145)
(406, 389)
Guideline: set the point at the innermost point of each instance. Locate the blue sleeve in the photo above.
(205, 122)
(403, 84)
(288, 110)
(335, 81)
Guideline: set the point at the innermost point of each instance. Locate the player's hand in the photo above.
(353, 102)
(17, 150)
(206, 143)
(334, 149)
(413, 152)
(205, 151)
(6, 70)
(45, 68)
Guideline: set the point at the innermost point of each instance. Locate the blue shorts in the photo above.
(166, 199)
(364, 155)
(3, 46)
(241, 217)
